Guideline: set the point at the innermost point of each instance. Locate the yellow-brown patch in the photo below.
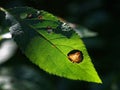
(75, 56)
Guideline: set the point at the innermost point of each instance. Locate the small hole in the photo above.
(29, 16)
(75, 56)
(49, 29)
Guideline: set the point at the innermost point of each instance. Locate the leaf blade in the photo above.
(49, 50)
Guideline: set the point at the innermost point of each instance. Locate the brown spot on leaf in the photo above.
(75, 56)
(40, 17)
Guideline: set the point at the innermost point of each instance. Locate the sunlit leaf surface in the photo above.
(51, 44)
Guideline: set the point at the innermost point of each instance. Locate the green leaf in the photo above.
(51, 44)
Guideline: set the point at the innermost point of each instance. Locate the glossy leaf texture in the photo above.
(51, 44)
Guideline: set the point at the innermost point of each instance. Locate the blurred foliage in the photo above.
(101, 16)
(3, 28)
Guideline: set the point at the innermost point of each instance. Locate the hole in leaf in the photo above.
(23, 15)
(49, 29)
(66, 27)
(29, 16)
(75, 56)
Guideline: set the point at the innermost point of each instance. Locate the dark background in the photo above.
(101, 16)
